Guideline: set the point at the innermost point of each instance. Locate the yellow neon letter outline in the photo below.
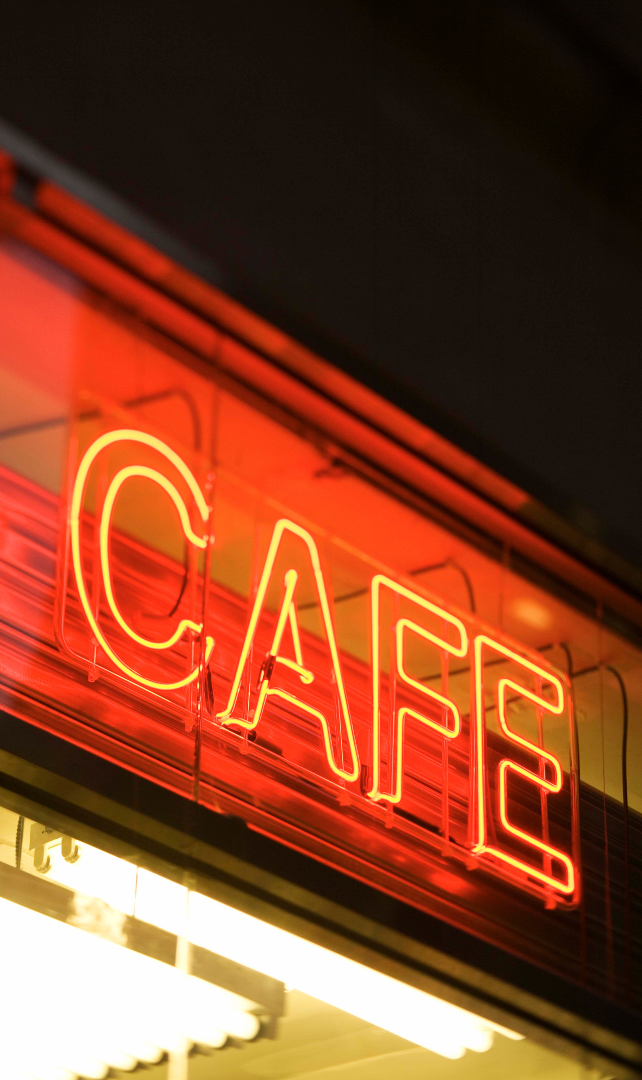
(460, 650)
(506, 765)
(287, 612)
(132, 435)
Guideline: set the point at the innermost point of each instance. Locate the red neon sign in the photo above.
(375, 737)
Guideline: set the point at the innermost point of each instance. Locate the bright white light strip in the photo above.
(74, 1004)
(378, 999)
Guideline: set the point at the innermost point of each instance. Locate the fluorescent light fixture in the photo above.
(75, 1004)
(378, 999)
(388, 1003)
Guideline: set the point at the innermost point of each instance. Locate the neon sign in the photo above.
(374, 747)
(105, 441)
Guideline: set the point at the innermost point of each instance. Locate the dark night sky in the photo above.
(448, 194)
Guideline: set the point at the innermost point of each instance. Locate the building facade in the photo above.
(320, 744)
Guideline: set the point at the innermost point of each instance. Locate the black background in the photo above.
(444, 197)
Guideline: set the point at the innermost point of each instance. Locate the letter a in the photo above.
(287, 614)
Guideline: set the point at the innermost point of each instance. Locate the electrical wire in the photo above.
(131, 403)
(456, 566)
(625, 807)
(625, 786)
(147, 399)
(410, 573)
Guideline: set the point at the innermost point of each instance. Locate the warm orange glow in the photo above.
(553, 786)
(338, 734)
(288, 613)
(406, 624)
(77, 623)
(90, 456)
